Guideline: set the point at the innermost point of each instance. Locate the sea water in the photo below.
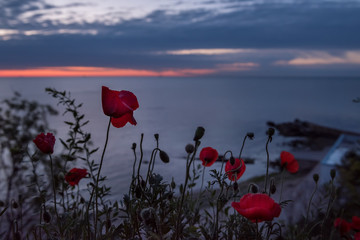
(175, 107)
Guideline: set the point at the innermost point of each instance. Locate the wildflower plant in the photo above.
(153, 207)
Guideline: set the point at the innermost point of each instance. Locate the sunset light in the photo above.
(100, 72)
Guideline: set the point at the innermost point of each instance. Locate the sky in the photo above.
(67, 38)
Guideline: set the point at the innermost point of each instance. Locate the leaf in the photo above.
(3, 211)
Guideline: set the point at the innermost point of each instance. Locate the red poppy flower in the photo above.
(355, 223)
(119, 105)
(257, 207)
(74, 176)
(343, 225)
(235, 171)
(45, 143)
(357, 236)
(208, 156)
(291, 164)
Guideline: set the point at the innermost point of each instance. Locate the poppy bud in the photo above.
(173, 184)
(316, 177)
(143, 183)
(147, 215)
(189, 148)
(164, 157)
(2, 203)
(82, 200)
(250, 135)
(133, 147)
(270, 132)
(254, 188)
(14, 204)
(272, 186)
(199, 133)
(156, 136)
(235, 186)
(332, 173)
(232, 160)
(46, 217)
(138, 192)
(61, 176)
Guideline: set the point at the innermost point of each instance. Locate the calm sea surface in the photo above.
(174, 107)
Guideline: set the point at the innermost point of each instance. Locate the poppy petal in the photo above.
(123, 120)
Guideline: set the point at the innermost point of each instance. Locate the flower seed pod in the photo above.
(14, 204)
(82, 200)
(332, 173)
(199, 133)
(46, 217)
(232, 161)
(156, 136)
(250, 135)
(189, 148)
(147, 215)
(272, 188)
(316, 177)
(133, 147)
(270, 132)
(254, 188)
(61, 176)
(164, 157)
(235, 186)
(2, 203)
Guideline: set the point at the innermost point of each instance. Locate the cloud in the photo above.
(235, 67)
(210, 51)
(197, 34)
(322, 58)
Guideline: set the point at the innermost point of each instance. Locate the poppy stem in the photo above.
(242, 147)
(152, 159)
(141, 157)
(267, 163)
(282, 183)
(54, 189)
(224, 157)
(202, 180)
(197, 144)
(308, 209)
(98, 175)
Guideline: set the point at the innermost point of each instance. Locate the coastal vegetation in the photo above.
(42, 199)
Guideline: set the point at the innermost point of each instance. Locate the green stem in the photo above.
(197, 143)
(242, 147)
(54, 189)
(308, 209)
(98, 175)
(282, 184)
(152, 160)
(141, 157)
(267, 163)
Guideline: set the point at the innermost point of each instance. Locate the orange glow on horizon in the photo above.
(100, 72)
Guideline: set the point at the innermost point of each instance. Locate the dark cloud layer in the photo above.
(132, 44)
